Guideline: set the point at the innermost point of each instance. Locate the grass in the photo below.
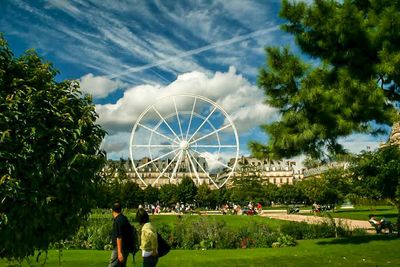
(355, 251)
(232, 221)
(362, 212)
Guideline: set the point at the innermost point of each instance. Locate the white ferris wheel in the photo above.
(184, 135)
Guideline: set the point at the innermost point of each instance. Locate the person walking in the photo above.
(148, 240)
(120, 235)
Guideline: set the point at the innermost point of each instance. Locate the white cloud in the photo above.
(355, 143)
(116, 145)
(98, 86)
(241, 100)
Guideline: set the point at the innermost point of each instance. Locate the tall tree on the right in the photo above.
(376, 175)
(351, 85)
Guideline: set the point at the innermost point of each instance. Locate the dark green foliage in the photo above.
(114, 187)
(151, 194)
(49, 155)
(93, 234)
(303, 230)
(289, 194)
(186, 190)
(376, 175)
(168, 195)
(342, 93)
(331, 188)
(247, 189)
(208, 233)
(203, 196)
(132, 195)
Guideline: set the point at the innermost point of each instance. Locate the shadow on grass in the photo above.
(358, 239)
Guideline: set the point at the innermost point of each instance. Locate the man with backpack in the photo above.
(123, 238)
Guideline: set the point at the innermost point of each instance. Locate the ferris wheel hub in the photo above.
(184, 145)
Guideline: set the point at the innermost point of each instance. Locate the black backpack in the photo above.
(132, 240)
(163, 246)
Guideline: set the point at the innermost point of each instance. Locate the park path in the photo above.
(282, 215)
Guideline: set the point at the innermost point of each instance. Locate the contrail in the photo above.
(195, 51)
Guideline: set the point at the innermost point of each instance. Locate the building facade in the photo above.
(268, 171)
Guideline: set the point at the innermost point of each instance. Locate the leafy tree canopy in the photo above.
(351, 85)
(49, 154)
(186, 190)
(377, 175)
(168, 194)
(378, 172)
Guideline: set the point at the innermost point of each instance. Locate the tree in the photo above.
(49, 155)
(168, 195)
(270, 193)
(247, 189)
(203, 195)
(132, 195)
(289, 194)
(151, 194)
(310, 163)
(317, 190)
(377, 173)
(186, 190)
(349, 87)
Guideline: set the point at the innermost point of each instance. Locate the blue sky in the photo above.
(127, 54)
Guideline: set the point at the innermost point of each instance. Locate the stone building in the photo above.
(268, 171)
(394, 137)
(318, 171)
(157, 173)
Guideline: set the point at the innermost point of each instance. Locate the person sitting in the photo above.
(380, 224)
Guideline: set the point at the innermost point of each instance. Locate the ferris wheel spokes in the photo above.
(214, 146)
(201, 125)
(194, 169)
(158, 158)
(178, 162)
(166, 123)
(178, 119)
(190, 169)
(201, 167)
(156, 146)
(191, 117)
(209, 134)
(158, 133)
(184, 135)
(165, 169)
(211, 159)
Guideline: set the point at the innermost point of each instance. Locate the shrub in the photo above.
(284, 241)
(190, 232)
(302, 230)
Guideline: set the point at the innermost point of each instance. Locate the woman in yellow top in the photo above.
(148, 239)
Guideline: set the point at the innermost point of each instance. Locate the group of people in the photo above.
(250, 209)
(121, 233)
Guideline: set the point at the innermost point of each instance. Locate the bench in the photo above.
(379, 227)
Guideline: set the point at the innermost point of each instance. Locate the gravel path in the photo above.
(315, 219)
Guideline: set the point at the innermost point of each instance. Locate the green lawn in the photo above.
(232, 221)
(362, 212)
(355, 251)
